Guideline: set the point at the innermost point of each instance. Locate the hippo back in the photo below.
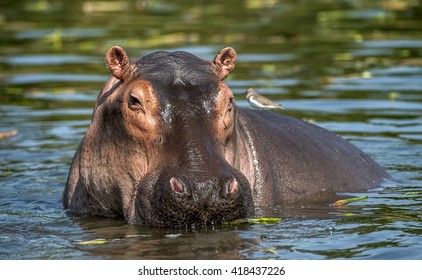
(298, 158)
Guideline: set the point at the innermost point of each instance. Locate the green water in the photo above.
(354, 67)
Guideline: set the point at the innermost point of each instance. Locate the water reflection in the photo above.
(353, 67)
(63, 33)
(123, 241)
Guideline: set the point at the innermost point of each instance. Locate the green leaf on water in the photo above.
(255, 221)
(393, 95)
(93, 242)
(264, 220)
(270, 250)
(344, 202)
(411, 193)
(348, 214)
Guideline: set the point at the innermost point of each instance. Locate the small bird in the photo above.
(260, 102)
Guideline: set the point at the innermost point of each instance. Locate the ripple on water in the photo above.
(373, 100)
(21, 79)
(61, 32)
(48, 59)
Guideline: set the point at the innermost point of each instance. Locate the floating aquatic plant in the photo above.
(345, 202)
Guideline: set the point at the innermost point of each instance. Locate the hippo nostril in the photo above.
(176, 185)
(234, 186)
(229, 186)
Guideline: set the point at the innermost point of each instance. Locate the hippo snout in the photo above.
(176, 200)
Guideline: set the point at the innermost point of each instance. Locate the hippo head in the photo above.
(171, 119)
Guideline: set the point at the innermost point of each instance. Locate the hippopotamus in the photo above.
(168, 146)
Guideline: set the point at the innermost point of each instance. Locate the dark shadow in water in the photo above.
(126, 241)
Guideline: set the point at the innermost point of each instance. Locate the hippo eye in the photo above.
(230, 106)
(135, 103)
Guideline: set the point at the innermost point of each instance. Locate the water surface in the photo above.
(353, 67)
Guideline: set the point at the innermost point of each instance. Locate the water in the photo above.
(353, 67)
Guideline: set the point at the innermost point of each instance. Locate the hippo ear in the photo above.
(224, 62)
(118, 63)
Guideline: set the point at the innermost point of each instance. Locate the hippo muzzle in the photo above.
(184, 199)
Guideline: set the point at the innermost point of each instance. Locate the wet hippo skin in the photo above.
(168, 146)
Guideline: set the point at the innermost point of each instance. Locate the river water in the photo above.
(354, 67)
